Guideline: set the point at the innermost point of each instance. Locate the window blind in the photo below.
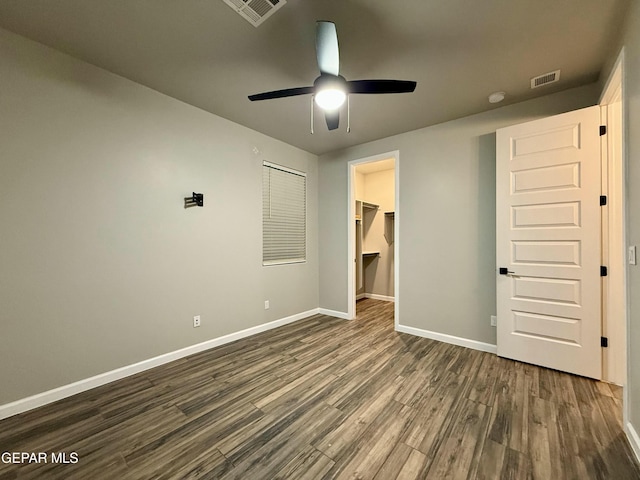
(284, 215)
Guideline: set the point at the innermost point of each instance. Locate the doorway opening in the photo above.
(373, 232)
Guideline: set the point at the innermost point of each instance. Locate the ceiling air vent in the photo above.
(255, 11)
(545, 79)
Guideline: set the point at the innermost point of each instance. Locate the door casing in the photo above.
(615, 295)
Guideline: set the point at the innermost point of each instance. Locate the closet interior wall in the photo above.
(375, 205)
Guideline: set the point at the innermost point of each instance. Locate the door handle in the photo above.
(506, 271)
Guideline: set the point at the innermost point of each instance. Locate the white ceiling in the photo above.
(459, 51)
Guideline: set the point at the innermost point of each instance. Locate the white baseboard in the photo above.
(375, 296)
(634, 439)
(334, 313)
(442, 337)
(50, 396)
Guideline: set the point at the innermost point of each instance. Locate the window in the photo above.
(284, 215)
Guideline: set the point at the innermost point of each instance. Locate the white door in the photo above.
(548, 240)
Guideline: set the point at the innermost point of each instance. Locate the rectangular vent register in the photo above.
(545, 79)
(255, 11)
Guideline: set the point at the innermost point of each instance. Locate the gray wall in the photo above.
(100, 264)
(446, 214)
(631, 86)
(379, 189)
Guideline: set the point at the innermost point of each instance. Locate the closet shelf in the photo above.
(390, 214)
(370, 254)
(371, 206)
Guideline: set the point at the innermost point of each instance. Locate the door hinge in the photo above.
(603, 200)
(603, 130)
(604, 342)
(603, 271)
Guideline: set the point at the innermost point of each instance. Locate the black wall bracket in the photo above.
(196, 200)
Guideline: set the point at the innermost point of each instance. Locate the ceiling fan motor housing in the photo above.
(327, 81)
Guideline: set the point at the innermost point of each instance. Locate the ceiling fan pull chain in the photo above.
(348, 113)
(312, 114)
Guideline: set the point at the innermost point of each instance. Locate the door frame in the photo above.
(613, 87)
(351, 232)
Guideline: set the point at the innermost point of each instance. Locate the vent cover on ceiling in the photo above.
(255, 11)
(545, 79)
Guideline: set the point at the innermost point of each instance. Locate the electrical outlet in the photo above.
(494, 320)
(266, 304)
(196, 321)
(632, 255)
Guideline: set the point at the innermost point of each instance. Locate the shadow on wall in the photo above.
(486, 211)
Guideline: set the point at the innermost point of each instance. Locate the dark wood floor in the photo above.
(326, 398)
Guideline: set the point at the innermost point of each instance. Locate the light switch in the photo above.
(632, 255)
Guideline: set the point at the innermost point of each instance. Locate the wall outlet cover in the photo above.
(196, 321)
(494, 320)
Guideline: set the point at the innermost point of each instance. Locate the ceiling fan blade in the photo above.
(287, 92)
(327, 48)
(333, 118)
(381, 86)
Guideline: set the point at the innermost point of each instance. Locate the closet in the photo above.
(364, 213)
(374, 231)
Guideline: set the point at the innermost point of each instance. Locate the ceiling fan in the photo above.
(330, 89)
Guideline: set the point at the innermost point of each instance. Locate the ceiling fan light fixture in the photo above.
(330, 98)
(330, 90)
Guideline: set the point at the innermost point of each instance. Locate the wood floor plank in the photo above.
(381, 437)
(280, 428)
(395, 462)
(412, 468)
(347, 434)
(517, 466)
(193, 460)
(540, 448)
(454, 459)
(275, 451)
(426, 433)
(309, 379)
(510, 414)
(211, 424)
(492, 456)
(482, 385)
(309, 464)
(325, 398)
(93, 466)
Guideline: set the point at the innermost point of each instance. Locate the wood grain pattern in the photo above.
(325, 398)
